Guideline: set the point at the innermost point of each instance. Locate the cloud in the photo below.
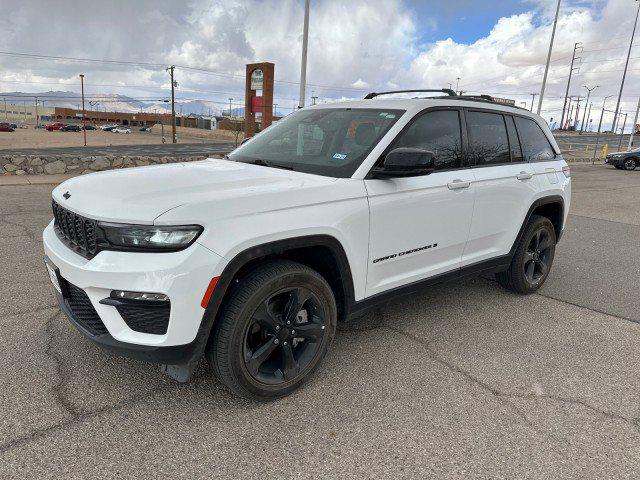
(353, 46)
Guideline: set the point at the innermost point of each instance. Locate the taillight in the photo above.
(566, 171)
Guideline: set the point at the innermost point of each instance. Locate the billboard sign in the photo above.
(257, 78)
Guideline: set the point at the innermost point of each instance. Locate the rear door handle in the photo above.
(524, 176)
(457, 184)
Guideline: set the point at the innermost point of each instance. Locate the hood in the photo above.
(140, 195)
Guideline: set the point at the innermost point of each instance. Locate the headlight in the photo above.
(150, 237)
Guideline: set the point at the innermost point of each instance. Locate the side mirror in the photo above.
(406, 162)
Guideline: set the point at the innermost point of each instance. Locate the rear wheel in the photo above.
(274, 331)
(532, 260)
(630, 163)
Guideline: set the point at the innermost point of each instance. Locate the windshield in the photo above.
(329, 141)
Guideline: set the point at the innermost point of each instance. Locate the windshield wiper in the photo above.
(264, 163)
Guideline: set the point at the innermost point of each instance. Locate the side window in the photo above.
(438, 131)
(488, 141)
(535, 145)
(514, 143)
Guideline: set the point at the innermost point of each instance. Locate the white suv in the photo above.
(253, 259)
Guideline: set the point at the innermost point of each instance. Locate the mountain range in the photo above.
(121, 103)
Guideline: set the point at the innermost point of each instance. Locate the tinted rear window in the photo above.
(535, 145)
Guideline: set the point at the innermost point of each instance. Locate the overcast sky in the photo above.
(355, 46)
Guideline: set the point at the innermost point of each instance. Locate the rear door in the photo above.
(419, 225)
(504, 182)
(546, 165)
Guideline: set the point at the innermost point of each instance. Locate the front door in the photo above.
(419, 225)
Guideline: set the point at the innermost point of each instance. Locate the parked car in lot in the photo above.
(145, 129)
(624, 160)
(40, 126)
(252, 260)
(90, 127)
(6, 127)
(54, 126)
(71, 128)
(108, 128)
(121, 130)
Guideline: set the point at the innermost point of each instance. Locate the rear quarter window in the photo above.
(535, 144)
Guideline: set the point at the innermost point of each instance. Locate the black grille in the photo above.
(146, 317)
(77, 232)
(83, 312)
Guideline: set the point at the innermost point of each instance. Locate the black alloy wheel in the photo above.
(284, 335)
(532, 258)
(274, 329)
(537, 255)
(630, 163)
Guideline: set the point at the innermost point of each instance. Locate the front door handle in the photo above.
(524, 176)
(457, 184)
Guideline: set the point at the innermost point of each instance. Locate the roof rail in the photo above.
(448, 91)
(486, 99)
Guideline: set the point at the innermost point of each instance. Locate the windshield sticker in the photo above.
(339, 156)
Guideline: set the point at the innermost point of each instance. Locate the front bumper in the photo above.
(183, 276)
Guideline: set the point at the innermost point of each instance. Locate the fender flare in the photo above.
(257, 251)
(538, 203)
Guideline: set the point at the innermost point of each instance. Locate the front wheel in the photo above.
(274, 330)
(532, 260)
(630, 163)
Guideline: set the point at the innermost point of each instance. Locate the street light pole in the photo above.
(230, 99)
(84, 130)
(624, 125)
(584, 115)
(633, 126)
(303, 63)
(626, 65)
(546, 68)
(533, 98)
(457, 83)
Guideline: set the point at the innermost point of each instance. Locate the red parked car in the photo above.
(5, 127)
(54, 126)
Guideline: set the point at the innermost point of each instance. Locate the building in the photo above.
(25, 113)
(72, 115)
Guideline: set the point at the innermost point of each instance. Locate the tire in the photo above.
(522, 277)
(630, 163)
(254, 351)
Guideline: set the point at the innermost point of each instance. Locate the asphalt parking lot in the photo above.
(462, 381)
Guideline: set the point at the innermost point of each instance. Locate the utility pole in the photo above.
(173, 105)
(458, 84)
(84, 130)
(313, 98)
(533, 97)
(622, 131)
(595, 149)
(5, 109)
(633, 126)
(626, 65)
(230, 99)
(584, 116)
(546, 68)
(576, 120)
(576, 47)
(275, 109)
(303, 63)
(589, 119)
(37, 122)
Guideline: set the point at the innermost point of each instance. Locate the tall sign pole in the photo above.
(546, 68)
(303, 64)
(84, 130)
